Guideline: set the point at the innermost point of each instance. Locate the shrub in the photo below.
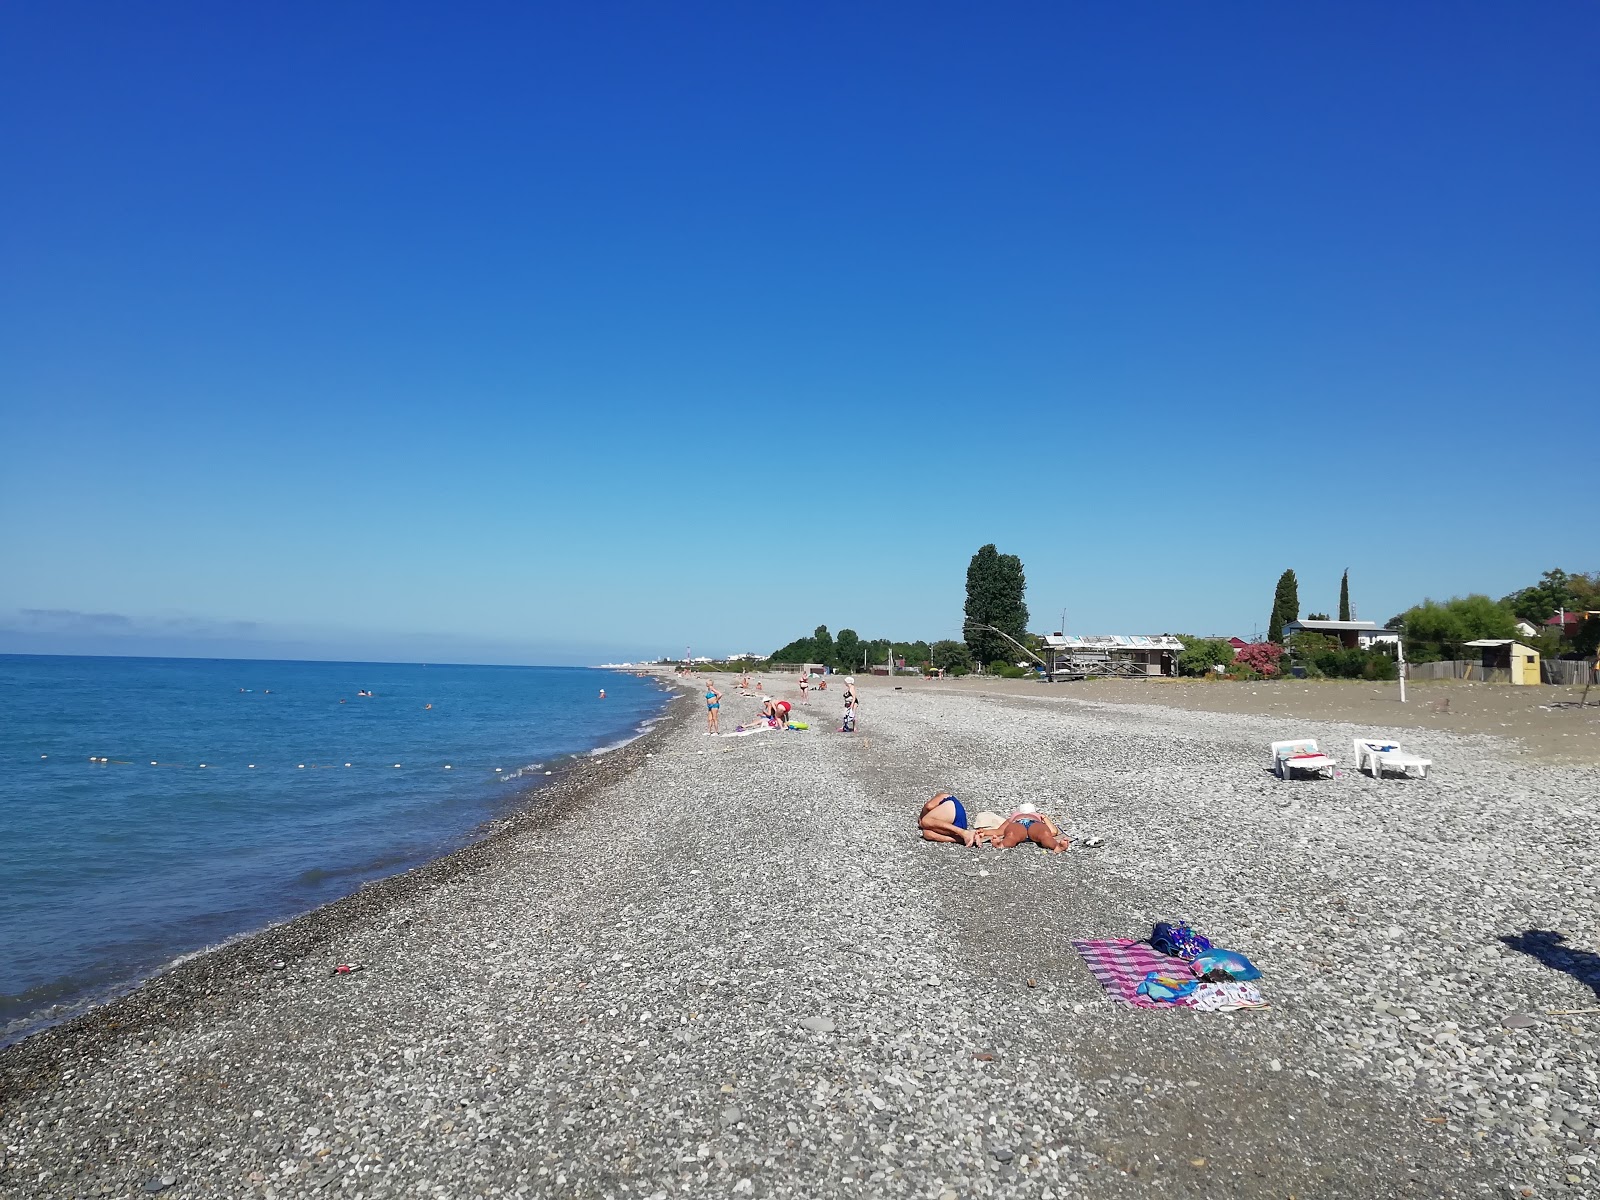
(1007, 670)
(1261, 658)
(1201, 654)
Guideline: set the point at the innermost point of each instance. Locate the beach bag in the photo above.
(1178, 940)
(1234, 964)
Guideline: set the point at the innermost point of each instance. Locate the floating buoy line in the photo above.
(106, 761)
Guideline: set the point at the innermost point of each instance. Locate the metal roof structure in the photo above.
(1111, 641)
(1335, 626)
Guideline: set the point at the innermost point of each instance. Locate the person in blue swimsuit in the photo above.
(713, 708)
(944, 819)
(1028, 824)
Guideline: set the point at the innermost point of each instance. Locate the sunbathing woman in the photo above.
(944, 819)
(1028, 824)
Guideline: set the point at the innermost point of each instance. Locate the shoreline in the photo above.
(636, 988)
(175, 991)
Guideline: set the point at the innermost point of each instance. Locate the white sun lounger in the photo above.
(1376, 757)
(1301, 754)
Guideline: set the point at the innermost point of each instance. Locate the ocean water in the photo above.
(227, 803)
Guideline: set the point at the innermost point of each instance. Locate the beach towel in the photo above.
(1121, 966)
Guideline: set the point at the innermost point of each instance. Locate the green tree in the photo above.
(1544, 599)
(1435, 631)
(1285, 605)
(847, 650)
(1200, 655)
(951, 656)
(821, 646)
(1344, 596)
(995, 587)
(801, 650)
(1586, 641)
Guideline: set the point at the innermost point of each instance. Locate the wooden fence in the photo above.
(1567, 671)
(1551, 670)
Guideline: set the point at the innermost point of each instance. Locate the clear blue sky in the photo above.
(406, 331)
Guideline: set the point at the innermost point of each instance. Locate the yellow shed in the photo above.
(1506, 661)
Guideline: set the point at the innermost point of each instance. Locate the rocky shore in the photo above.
(726, 966)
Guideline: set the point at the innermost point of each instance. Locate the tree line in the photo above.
(994, 611)
(1435, 630)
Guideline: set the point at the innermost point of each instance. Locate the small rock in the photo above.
(159, 1183)
(817, 1024)
(1275, 1065)
(1517, 1021)
(1002, 1154)
(732, 1115)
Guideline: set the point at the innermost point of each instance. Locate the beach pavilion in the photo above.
(1132, 656)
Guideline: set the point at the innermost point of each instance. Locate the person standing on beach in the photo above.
(713, 708)
(851, 699)
(805, 682)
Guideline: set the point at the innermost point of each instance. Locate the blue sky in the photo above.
(542, 333)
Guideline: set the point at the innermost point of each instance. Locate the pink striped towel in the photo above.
(1121, 965)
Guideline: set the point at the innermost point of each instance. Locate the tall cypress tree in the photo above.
(1285, 605)
(995, 587)
(1344, 596)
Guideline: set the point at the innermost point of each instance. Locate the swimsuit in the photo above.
(713, 702)
(960, 821)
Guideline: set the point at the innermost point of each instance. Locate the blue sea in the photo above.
(152, 807)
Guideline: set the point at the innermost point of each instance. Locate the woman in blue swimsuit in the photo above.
(713, 708)
(944, 819)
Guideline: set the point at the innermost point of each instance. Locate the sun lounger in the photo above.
(1301, 754)
(1377, 757)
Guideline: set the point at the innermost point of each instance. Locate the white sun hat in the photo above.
(1027, 809)
(849, 678)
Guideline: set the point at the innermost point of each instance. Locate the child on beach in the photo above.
(713, 708)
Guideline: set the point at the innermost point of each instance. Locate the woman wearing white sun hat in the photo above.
(851, 699)
(1028, 824)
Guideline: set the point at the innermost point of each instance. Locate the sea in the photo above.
(151, 808)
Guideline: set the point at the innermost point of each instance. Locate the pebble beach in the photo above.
(715, 966)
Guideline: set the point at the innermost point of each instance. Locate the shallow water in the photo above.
(238, 793)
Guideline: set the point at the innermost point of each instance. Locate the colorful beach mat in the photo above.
(1121, 965)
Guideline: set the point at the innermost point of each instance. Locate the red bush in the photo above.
(1261, 657)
